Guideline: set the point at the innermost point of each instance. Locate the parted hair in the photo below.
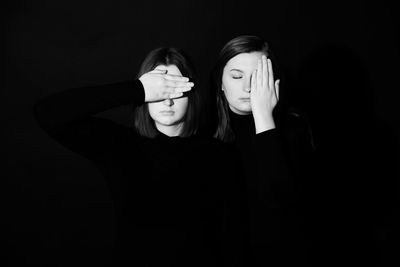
(143, 123)
(234, 47)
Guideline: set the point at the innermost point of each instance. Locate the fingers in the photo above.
(159, 85)
(170, 77)
(175, 95)
(178, 78)
(253, 81)
(174, 91)
(159, 71)
(265, 71)
(182, 89)
(259, 75)
(178, 85)
(277, 88)
(271, 74)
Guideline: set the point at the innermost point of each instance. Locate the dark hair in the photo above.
(236, 46)
(143, 123)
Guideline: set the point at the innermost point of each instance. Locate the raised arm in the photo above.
(69, 118)
(264, 95)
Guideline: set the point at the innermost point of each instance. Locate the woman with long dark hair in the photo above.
(160, 172)
(246, 88)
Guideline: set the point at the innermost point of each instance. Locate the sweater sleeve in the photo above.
(69, 116)
(275, 221)
(274, 181)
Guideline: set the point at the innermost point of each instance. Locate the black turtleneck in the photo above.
(265, 168)
(168, 192)
(264, 162)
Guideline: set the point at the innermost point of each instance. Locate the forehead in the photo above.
(244, 61)
(172, 69)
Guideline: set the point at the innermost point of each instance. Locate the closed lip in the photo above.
(167, 112)
(245, 98)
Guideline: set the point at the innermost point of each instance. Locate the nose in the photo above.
(247, 85)
(168, 102)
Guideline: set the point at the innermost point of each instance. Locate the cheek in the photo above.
(181, 105)
(153, 107)
(225, 83)
(230, 88)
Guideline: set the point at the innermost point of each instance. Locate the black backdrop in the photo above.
(340, 60)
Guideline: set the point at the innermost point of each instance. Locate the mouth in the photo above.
(167, 112)
(245, 99)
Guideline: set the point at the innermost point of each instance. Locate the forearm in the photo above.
(273, 170)
(76, 103)
(67, 117)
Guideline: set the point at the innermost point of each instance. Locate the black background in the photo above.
(341, 65)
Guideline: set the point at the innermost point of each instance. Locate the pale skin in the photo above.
(160, 85)
(250, 88)
(164, 97)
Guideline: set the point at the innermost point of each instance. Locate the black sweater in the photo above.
(271, 217)
(170, 195)
(178, 201)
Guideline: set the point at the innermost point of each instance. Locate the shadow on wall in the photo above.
(351, 197)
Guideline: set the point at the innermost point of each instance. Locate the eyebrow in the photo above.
(236, 70)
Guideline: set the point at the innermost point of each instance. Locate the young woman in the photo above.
(247, 94)
(161, 174)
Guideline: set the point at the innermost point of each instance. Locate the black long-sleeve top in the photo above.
(169, 193)
(178, 201)
(270, 218)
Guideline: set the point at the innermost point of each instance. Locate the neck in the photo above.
(170, 130)
(242, 124)
(241, 116)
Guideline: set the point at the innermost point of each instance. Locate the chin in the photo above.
(241, 109)
(245, 108)
(168, 122)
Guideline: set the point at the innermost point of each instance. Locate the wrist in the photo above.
(263, 123)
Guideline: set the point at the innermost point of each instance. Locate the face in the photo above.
(236, 81)
(169, 113)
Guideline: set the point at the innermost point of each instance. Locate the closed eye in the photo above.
(236, 74)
